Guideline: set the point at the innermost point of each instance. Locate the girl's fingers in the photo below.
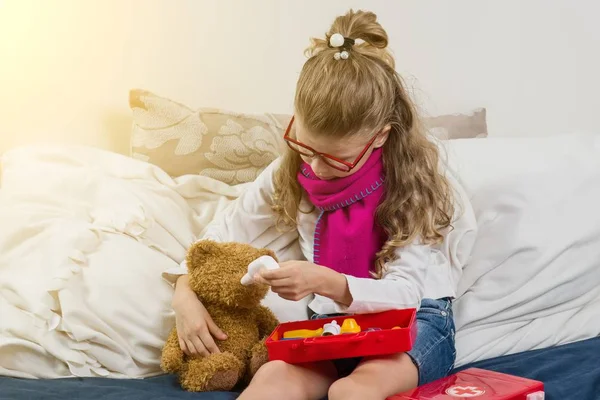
(287, 291)
(291, 295)
(191, 348)
(281, 283)
(285, 281)
(209, 343)
(259, 279)
(184, 347)
(215, 330)
(272, 274)
(201, 348)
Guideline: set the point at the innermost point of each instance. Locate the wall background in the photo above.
(66, 65)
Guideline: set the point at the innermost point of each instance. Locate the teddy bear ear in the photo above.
(267, 252)
(200, 251)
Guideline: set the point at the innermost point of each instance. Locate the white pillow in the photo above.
(85, 236)
(533, 279)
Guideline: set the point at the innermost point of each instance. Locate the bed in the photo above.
(87, 235)
(570, 371)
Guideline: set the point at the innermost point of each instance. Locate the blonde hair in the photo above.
(361, 96)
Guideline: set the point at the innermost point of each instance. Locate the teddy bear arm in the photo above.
(266, 321)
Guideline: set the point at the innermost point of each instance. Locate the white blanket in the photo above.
(84, 237)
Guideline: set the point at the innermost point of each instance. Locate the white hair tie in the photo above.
(337, 40)
(341, 55)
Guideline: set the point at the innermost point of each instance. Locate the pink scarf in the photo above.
(347, 235)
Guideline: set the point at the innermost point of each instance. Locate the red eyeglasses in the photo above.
(330, 160)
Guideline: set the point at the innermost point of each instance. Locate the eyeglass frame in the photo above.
(325, 156)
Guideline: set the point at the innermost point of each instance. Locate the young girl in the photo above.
(379, 221)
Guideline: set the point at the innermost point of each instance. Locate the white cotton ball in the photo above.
(336, 40)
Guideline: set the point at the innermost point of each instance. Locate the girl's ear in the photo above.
(383, 137)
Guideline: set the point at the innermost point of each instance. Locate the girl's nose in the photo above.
(319, 167)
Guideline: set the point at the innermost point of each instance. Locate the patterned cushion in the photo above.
(230, 147)
(227, 146)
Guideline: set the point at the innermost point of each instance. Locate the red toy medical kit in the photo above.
(478, 384)
(347, 336)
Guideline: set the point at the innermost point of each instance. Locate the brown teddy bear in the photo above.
(215, 271)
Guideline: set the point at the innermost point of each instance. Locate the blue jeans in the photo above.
(433, 352)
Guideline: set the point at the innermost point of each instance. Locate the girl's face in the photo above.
(347, 149)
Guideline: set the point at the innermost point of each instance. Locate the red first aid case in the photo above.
(479, 384)
(380, 333)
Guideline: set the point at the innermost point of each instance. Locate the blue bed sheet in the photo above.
(569, 372)
(157, 388)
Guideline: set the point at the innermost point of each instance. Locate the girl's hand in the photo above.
(295, 280)
(195, 328)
